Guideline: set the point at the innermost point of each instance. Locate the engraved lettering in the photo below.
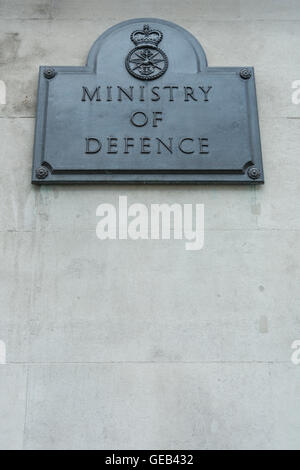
(157, 116)
(108, 90)
(145, 145)
(157, 96)
(112, 143)
(203, 145)
(131, 93)
(127, 141)
(139, 119)
(91, 96)
(205, 91)
(148, 145)
(185, 151)
(189, 92)
(128, 94)
(160, 142)
(171, 88)
(142, 95)
(93, 141)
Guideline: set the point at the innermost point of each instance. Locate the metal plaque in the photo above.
(147, 109)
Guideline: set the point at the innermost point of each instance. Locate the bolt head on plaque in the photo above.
(42, 173)
(146, 61)
(245, 74)
(253, 173)
(49, 73)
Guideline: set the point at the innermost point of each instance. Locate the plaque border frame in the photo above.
(50, 176)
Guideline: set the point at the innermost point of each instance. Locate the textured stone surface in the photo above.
(118, 10)
(270, 10)
(172, 305)
(28, 9)
(13, 389)
(161, 406)
(141, 344)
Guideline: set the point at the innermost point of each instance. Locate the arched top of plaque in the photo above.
(146, 49)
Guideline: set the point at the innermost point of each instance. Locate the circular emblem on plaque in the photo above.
(146, 61)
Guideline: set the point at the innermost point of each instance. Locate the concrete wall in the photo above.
(135, 344)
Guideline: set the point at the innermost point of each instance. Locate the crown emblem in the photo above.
(146, 36)
(146, 61)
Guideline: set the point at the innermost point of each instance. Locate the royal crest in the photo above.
(146, 61)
